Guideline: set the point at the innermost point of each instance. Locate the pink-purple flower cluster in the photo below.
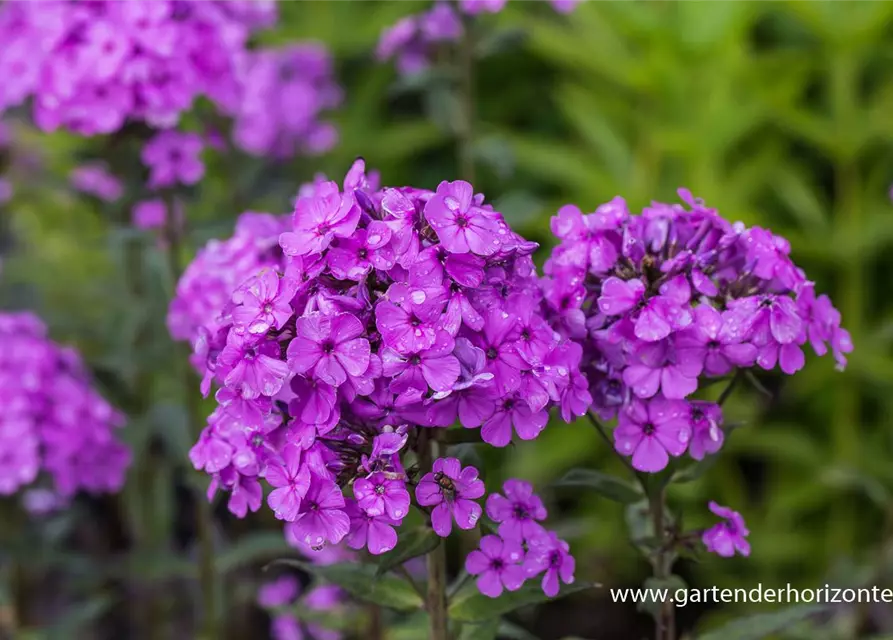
(413, 40)
(286, 92)
(393, 311)
(200, 305)
(53, 421)
(524, 549)
(661, 300)
(91, 66)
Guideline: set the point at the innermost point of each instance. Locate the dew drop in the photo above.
(374, 239)
(473, 518)
(398, 513)
(627, 447)
(714, 433)
(683, 437)
(418, 297)
(418, 332)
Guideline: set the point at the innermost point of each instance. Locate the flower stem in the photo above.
(204, 517)
(665, 621)
(604, 434)
(435, 599)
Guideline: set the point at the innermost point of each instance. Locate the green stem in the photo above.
(204, 517)
(435, 600)
(604, 434)
(665, 621)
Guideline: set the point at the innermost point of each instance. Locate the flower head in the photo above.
(518, 512)
(497, 565)
(729, 536)
(452, 491)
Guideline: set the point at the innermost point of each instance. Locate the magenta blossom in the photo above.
(707, 435)
(729, 536)
(451, 490)
(379, 494)
(174, 158)
(651, 432)
(264, 302)
(330, 347)
(518, 512)
(551, 556)
(319, 219)
(291, 480)
(370, 531)
(497, 565)
(461, 225)
(322, 518)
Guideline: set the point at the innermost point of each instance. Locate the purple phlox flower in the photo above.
(314, 402)
(565, 6)
(707, 435)
(372, 531)
(659, 366)
(513, 411)
(368, 248)
(246, 493)
(823, 324)
(619, 296)
(551, 555)
(149, 214)
(517, 512)
(386, 447)
(497, 565)
(322, 518)
(536, 339)
(264, 302)
(172, 158)
(280, 592)
(729, 536)
(440, 23)
(768, 254)
(434, 367)
(331, 347)
(378, 494)
(498, 344)
(651, 432)
(94, 179)
(291, 480)
(667, 312)
(773, 324)
(408, 317)
(461, 225)
(474, 7)
(210, 452)
(254, 368)
(452, 491)
(320, 219)
(708, 340)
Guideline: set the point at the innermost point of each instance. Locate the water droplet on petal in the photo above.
(473, 517)
(374, 239)
(683, 436)
(714, 433)
(627, 446)
(418, 297)
(398, 513)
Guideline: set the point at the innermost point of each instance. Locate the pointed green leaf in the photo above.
(412, 544)
(605, 484)
(470, 605)
(762, 625)
(360, 581)
(256, 546)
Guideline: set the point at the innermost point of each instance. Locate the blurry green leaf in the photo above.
(604, 484)
(696, 470)
(254, 547)
(495, 41)
(411, 544)
(848, 478)
(79, 616)
(470, 605)
(467, 453)
(171, 423)
(486, 630)
(763, 625)
(514, 632)
(360, 581)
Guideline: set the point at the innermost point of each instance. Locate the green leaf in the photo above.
(470, 605)
(414, 543)
(360, 581)
(251, 548)
(514, 632)
(762, 625)
(694, 471)
(605, 484)
(79, 617)
(486, 630)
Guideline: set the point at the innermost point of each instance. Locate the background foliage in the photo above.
(778, 114)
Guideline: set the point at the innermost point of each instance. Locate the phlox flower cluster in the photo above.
(92, 66)
(53, 421)
(201, 303)
(393, 311)
(413, 40)
(286, 92)
(523, 548)
(662, 300)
